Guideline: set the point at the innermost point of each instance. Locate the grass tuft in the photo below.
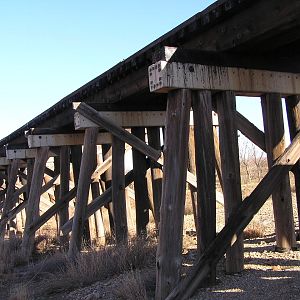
(99, 265)
(254, 230)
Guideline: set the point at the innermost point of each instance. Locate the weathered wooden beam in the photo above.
(46, 216)
(97, 203)
(293, 115)
(53, 140)
(281, 197)
(205, 168)
(164, 76)
(95, 192)
(238, 222)
(23, 153)
(4, 161)
(64, 189)
(218, 156)
(124, 119)
(156, 172)
(168, 263)
(192, 169)
(230, 173)
(117, 131)
(11, 215)
(103, 167)
(250, 131)
(130, 119)
(9, 201)
(118, 191)
(86, 170)
(32, 211)
(142, 201)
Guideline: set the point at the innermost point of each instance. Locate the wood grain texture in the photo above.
(164, 76)
(118, 191)
(64, 189)
(192, 170)
(142, 201)
(86, 170)
(250, 131)
(104, 199)
(205, 168)
(117, 131)
(281, 196)
(230, 173)
(32, 211)
(293, 115)
(168, 262)
(237, 222)
(10, 200)
(156, 172)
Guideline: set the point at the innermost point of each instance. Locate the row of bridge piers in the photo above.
(83, 180)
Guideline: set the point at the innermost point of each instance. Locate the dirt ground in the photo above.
(267, 275)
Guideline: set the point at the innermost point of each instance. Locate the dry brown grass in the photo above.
(10, 254)
(20, 292)
(132, 286)
(99, 265)
(254, 230)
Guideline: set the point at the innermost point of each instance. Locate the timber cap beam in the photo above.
(220, 71)
(165, 76)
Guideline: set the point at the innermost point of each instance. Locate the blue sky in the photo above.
(50, 48)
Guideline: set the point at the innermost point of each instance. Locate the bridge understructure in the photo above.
(71, 157)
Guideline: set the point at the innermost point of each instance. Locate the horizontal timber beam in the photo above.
(117, 131)
(130, 119)
(164, 76)
(23, 153)
(125, 119)
(53, 140)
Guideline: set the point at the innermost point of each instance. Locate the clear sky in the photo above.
(50, 48)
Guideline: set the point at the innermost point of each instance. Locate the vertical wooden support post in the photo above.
(229, 150)
(95, 189)
(156, 172)
(205, 167)
(107, 152)
(192, 169)
(174, 189)
(98, 216)
(140, 185)
(293, 115)
(86, 170)
(56, 162)
(32, 212)
(217, 156)
(8, 202)
(29, 167)
(118, 190)
(64, 189)
(275, 145)
(76, 155)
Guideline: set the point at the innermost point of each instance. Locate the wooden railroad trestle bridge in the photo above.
(245, 47)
